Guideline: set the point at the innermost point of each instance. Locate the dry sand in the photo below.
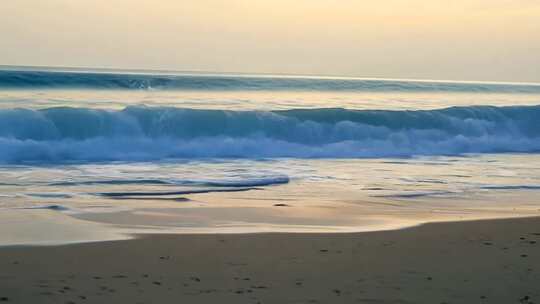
(463, 262)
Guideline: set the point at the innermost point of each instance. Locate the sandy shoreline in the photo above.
(494, 261)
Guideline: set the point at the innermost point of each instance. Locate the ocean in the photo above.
(94, 155)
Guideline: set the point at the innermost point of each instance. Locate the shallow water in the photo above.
(174, 162)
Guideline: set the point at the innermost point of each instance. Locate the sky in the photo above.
(492, 40)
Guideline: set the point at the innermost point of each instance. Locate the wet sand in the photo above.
(496, 261)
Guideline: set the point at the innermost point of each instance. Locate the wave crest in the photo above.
(143, 133)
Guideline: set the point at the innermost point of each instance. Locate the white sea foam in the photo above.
(142, 133)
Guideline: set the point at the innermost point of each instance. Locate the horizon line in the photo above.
(45, 68)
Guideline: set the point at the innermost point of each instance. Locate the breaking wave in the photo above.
(145, 133)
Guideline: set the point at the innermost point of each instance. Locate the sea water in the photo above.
(95, 155)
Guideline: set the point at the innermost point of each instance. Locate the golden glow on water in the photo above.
(339, 195)
(257, 100)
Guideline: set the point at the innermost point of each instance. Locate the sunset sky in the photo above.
(434, 39)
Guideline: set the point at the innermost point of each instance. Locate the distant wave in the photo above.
(143, 133)
(72, 80)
